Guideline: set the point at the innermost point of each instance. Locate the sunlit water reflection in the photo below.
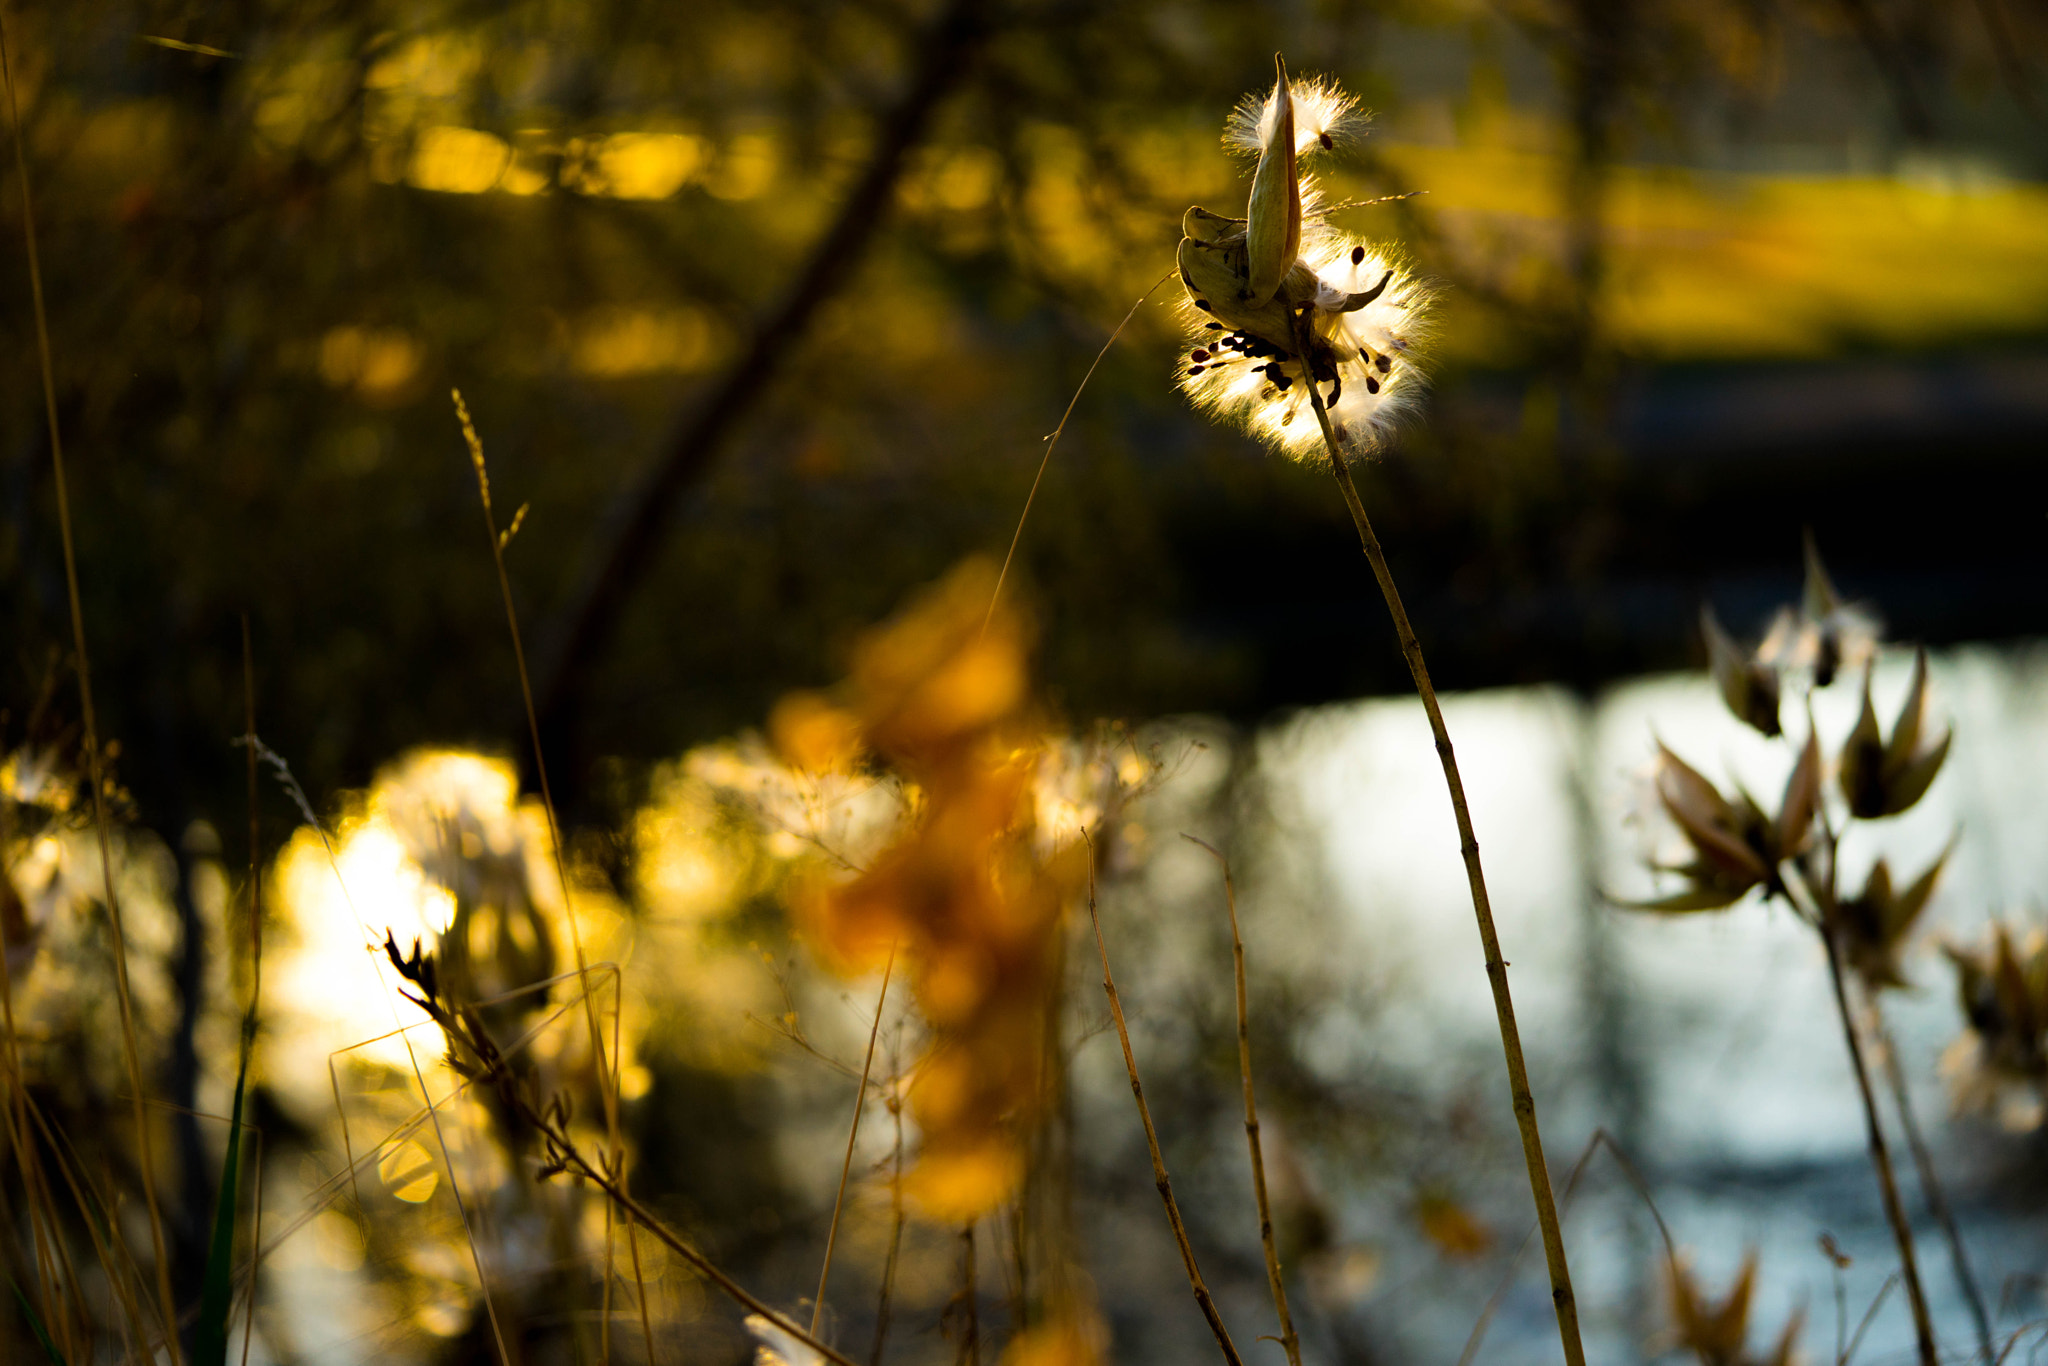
(1708, 1043)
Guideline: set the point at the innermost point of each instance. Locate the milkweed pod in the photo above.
(1749, 686)
(1883, 777)
(1802, 799)
(1273, 234)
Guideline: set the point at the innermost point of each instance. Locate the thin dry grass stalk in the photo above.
(1290, 1341)
(1053, 440)
(1562, 1298)
(883, 1298)
(477, 1058)
(607, 1079)
(95, 758)
(860, 1101)
(1159, 1176)
(1880, 1155)
(1930, 1179)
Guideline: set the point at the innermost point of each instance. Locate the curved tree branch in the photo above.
(632, 531)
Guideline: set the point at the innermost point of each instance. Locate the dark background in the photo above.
(257, 310)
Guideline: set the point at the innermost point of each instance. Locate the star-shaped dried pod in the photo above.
(1882, 777)
(2004, 996)
(1725, 862)
(1748, 684)
(1736, 846)
(1872, 925)
(1718, 1334)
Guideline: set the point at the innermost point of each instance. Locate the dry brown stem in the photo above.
(1880, 1157)
(860, 1101)
(1290, 1341)
(1562, 1299)
(606, 1075)
(1159, 1177)
(478, 1059)
(1930, 1180)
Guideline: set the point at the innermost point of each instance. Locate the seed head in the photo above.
(1249, 279)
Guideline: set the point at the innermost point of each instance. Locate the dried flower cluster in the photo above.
(1718, 1334)
(966, 895)
(1250, 279)
(1732, 846)
(2000, 1066)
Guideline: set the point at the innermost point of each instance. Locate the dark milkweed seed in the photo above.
(1327, 141)
(1372, 386)
(1385, 363)
(1357, 255)
(1202, 304)
(1194, 369)
(1199, 354)
(1213, 327)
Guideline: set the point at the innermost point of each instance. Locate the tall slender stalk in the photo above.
(1160, 1179)
(860, 1102)
(1562, 1299)
(607, 1076)
(1880, 1159)
(1290, 1341)
(1820, 907)
(95, 757)
(896, 1218)
(1930, 1181)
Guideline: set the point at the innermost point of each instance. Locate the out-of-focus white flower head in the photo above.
(1249, 279)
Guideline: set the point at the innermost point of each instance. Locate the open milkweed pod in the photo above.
(1747, 683)
(1794, 825)
(1718, 1334)
(1273, 234)
(2001, 1064)
(1723, 838)
(1824, 634)
(1248, 279)
(1873, 924)
(1883, 777)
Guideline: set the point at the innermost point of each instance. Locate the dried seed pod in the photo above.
(1718, 1334)
(1273, 234)
(1748, 685)
(2001, 1064)
(1250, 278)
(1872, 925)
(1883, 777)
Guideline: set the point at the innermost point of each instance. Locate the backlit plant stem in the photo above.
(1290, 1341)
(1203, 1299)
(1561, 1295)
(1821, 910)
(1930, 1181)
(1880, 1153)
(1880, 1158)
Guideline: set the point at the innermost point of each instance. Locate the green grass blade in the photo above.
(216, 1293)
(35, 1323)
